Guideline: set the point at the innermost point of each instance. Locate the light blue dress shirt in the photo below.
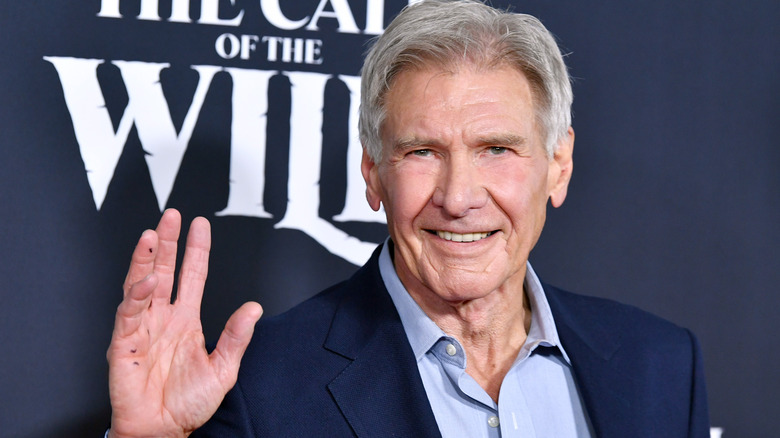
(538, 397)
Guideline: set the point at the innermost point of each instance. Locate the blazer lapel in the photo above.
(380, 392)
(591, 346)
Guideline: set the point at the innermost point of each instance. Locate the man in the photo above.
(446, 331)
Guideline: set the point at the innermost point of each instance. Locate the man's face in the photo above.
(464, 179)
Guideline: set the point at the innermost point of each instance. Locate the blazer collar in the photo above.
(380, 392)
(592, 344)
(580, 318)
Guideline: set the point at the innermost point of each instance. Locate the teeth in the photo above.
(455, 237)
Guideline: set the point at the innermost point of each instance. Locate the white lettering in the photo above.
(149, 9)
(341, 12)
(272, 42)
(716, 432)
(248, 143)
(313, 50)
(109, 9)
(273, 13)
(99, 145)
(248, 44)
(290, 52)
(147, 109)
(213, 12)
(355, 206)
(303, 186)
(209, 14)
(227, 46)
(375, 15)
(296, 50)
(180, 12)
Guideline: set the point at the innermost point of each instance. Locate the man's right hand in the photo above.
(162, 381)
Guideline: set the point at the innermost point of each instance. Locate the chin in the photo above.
(465, 287)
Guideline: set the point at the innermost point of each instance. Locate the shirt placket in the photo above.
(452, 357)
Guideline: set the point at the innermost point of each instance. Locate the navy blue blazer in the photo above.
(340, 365)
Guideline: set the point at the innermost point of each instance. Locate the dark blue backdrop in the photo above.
(673, 206)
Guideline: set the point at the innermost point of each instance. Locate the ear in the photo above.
(371, 175)
(561, 166)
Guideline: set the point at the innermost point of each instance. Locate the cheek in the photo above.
(511, 188)
(406, 196)
(521, 195)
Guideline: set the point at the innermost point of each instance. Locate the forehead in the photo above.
(469, 100)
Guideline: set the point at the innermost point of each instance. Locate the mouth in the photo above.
(465, 238)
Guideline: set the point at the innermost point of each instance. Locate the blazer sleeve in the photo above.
(700, 420)
(231, 419)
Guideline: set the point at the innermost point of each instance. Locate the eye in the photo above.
(422, 152)
(497, 150)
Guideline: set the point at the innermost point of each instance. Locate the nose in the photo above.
(460, 187)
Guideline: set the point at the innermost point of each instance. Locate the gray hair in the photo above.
(448, 34)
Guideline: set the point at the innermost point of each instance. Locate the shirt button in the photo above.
(493, 421)
(451, 350)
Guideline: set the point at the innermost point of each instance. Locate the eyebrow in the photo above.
(414, 142)
(502, 140)
(492, 139)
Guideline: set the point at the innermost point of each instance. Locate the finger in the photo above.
(165, 262)
(142, 261)
(233, 341)
(195, 265)
(130, 311)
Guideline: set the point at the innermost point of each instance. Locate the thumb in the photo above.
(233, 341)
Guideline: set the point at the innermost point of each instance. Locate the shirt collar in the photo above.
(423, 333)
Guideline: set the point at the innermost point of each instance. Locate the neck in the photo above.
(492, 330)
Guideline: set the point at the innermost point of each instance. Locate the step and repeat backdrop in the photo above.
(245, 112)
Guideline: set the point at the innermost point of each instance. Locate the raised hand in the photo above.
(162, 381)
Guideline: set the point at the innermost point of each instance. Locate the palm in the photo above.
(161, 379)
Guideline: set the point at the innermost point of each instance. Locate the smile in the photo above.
(468, 237)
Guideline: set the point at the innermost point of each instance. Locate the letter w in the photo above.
(147, 108)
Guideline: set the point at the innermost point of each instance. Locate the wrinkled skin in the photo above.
(462, 155)
(162, 381)
(465, 180)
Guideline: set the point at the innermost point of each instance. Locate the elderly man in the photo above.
(446, 331)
